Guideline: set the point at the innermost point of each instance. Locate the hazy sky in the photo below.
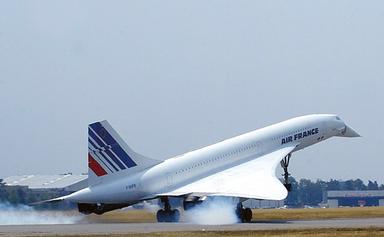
(172, 76)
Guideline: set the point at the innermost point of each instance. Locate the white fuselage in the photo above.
(189, 167)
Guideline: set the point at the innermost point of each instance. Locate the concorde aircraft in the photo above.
(242, 167)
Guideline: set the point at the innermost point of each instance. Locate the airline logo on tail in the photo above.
(105, 154)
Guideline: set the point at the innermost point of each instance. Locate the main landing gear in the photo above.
(244, 214)
(167, 214)
(284, 163)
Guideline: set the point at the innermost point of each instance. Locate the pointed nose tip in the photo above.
(349, 132)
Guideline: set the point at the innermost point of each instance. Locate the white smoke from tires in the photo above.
(215, 211)
(151, 207)
(26, 215)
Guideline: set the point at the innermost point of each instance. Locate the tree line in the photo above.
(21, 195)
(306, 192)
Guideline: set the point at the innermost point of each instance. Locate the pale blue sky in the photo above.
(173, 76)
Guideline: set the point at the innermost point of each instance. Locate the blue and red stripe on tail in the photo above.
(95, 166)
(107, 155)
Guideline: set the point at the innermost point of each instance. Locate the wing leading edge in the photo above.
(254, 179)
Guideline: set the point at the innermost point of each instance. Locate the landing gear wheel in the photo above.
(160, 215)
(167, 214)
(284, 164)
(244, 214)
(175, 215)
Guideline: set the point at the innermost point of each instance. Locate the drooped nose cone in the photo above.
(349, 132)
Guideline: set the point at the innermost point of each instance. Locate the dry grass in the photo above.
(130, 216)
(317, 213)
(141, 216)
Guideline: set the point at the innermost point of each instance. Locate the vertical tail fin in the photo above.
(109, 154)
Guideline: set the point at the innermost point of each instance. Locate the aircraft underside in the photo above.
(169, 214)
(244, 214)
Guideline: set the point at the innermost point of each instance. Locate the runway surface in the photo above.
(120, 228)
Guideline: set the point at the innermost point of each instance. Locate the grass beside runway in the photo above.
(124, 216)
(360, 232)
(143, 216)
(317, 213)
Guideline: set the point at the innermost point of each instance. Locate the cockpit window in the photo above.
(337, 118)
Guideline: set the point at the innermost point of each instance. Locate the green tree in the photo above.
(293, 196)
(333, 185)
(372, 185)
(3, 192)
(359, 185)
(310, 193)
(347, 185)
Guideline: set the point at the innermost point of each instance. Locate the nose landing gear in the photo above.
(167, 214)
(284, 164)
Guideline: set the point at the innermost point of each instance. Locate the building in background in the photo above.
(61, 182)
(255, 203)
(355, 198)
